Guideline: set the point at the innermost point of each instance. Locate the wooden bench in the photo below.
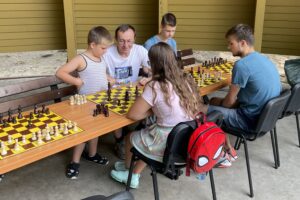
(33, 92)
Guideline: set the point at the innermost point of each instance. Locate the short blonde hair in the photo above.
(99, 35)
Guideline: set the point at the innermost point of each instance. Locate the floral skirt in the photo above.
(151, 141)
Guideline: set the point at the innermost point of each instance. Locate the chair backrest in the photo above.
(185, 61)
(271, 112)
(177, 143)
(178, 139)
(293, 103)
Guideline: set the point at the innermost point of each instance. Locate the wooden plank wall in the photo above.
(202, 24)
(29, 25)
(143, 15)
(281, 34)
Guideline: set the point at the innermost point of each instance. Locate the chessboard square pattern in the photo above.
(116, 94)
(20, 129)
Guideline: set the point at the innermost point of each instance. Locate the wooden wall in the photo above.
(202, 24)
(29, 25)
(281, 33)
(143, 15)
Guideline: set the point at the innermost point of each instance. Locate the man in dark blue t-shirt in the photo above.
(255, 80)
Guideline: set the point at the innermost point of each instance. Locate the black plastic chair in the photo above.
(124, 195)
(266, 123)
(293, 107)
(175, 154)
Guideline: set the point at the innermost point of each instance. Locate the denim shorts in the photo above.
(232, 117)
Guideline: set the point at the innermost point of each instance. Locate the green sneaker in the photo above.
(120, 166)
(122, 176)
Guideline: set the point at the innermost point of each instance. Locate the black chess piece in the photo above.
(47, 111)
(43, 108)
(14, 120)
(126, 95)
(95, 113)
(98, 107)
(192, 71)
(5, 123)
(39, 114)
(1, 118)
(108, 86)
(119, 102)
(109, 97)
(9, 112)
(106, 114)
(35, 109)
(29, 124)
(30, 115)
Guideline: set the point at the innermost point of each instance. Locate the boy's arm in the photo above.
(64, 71)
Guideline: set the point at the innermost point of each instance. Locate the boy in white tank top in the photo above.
(92, 78)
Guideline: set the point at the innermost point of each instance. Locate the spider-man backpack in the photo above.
(205, 146)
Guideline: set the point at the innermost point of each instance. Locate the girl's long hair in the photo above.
(165, 70)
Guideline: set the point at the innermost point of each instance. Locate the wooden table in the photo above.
(92, 126)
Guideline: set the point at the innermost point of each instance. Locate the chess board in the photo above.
(117, 94)
(207, 81)
(18, 129)
(224, 68)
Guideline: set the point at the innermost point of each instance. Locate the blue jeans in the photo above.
(232, 118)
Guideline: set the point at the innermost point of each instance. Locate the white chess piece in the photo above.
(48, 137)
(23, 139)
(75, 128)
(72, 101)
(61, 126)
(17, 147)
(9, 139)
(33, 136)
(3, 149)
(66, 131)
(70, 125)
(39, 140)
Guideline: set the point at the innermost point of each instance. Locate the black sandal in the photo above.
(72, 170)
(97, 158)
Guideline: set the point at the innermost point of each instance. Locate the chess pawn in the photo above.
(56, 131)
(72, 100)
(51, 130)
(70, 125)
(84, 99)
(33, 137)
(130, 84)
(44, 132)
(17, 146)
(66, 131)
(9, 139)
(75, 128)
(61, 126)
(3, 149)
(39, 139)
(47, 137)
(23, 139)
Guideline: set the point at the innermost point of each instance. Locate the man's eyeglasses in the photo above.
(122, 42)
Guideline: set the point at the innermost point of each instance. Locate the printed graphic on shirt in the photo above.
(123, 74)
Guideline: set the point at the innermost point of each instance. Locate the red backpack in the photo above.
(205, 146)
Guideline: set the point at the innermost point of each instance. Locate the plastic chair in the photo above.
(293, 107)
(266, 123)
(175, 154)
(124, 195)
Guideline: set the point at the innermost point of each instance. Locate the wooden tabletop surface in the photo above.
(92, 126)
